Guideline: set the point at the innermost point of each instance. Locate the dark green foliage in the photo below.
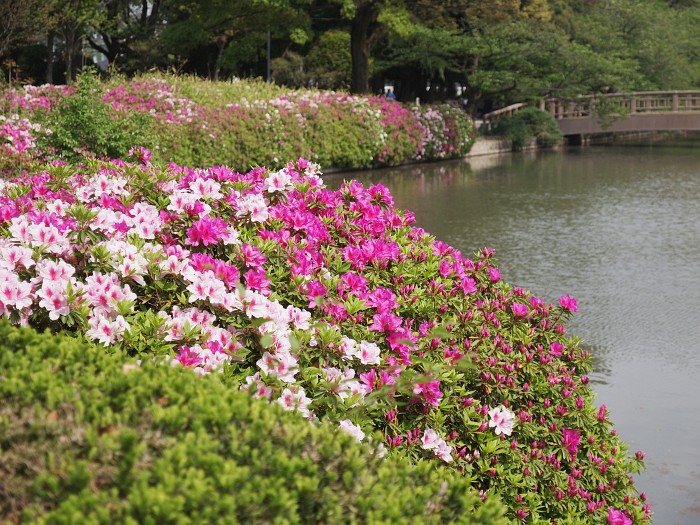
(528, 123)
(329, 61)
(83, 122)
(91, 437)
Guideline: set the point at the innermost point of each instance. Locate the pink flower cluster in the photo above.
(18, 135)
(155, 97)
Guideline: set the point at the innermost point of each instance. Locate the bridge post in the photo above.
(633, 105)
(674, 104)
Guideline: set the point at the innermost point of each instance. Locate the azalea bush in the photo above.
(446, 134)
(330, 304)
(22, 112)
(90, 436)
(240, 124)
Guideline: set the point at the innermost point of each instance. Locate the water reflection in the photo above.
(619, 229)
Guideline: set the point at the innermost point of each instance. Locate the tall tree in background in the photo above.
(71, 19)
(370, 21)
(213, 26)
(125, 32)
(21, 21)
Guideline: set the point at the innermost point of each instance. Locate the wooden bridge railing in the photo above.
(504, 112)
(633, 103)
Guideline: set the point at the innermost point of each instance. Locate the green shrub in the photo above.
(92, 437)
(83, 122)
(527, 123)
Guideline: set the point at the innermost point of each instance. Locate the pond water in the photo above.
(618, 228)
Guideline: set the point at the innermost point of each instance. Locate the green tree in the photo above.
(212, 27)
(20, 22)
(329, 61)
(126, 31)
(71, 19)
(370, 21)
(429, 57)
(660, 40)
(519, 62)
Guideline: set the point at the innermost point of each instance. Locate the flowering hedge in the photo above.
(260, 126)
(327, 303)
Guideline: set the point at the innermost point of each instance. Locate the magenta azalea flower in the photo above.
(519, 310)
(617, 517)
(556, 348)
(571, 440)
(568, 303)
(207, 231)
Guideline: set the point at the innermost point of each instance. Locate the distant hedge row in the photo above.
(240, 124)
(89, 437)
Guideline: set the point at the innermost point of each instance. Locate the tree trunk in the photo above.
(360, 48)
(69, 67)
(49, 56)
(69, 34)
(219, 56)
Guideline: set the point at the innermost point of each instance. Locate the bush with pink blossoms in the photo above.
(327, 303)
(240, 124)
(445, 133)
(18, 146)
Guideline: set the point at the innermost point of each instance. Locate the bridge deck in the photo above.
(639, 111)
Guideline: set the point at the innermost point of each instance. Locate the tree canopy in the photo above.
(488, 52)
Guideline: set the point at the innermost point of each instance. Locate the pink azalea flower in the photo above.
(204, 286)
(54, 270)
(187, 357)
(278, 181)
(617, 517)
(369, 353)
(468, 285)
(106, 331)
(299, 318)
(570, 441)
(142, 154)
(315, 291)
(13, 256)
(253, 205)
(261, 390)
(206, 189)
(54, 299)
(519, 309)
(430, 391)
(431, 441)
(183, 201)
(14, 292)
(556, 348)
(281, 364)
(294, 398)
(255, 304)
(502, 419)
(568, 303)
(207, 231)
